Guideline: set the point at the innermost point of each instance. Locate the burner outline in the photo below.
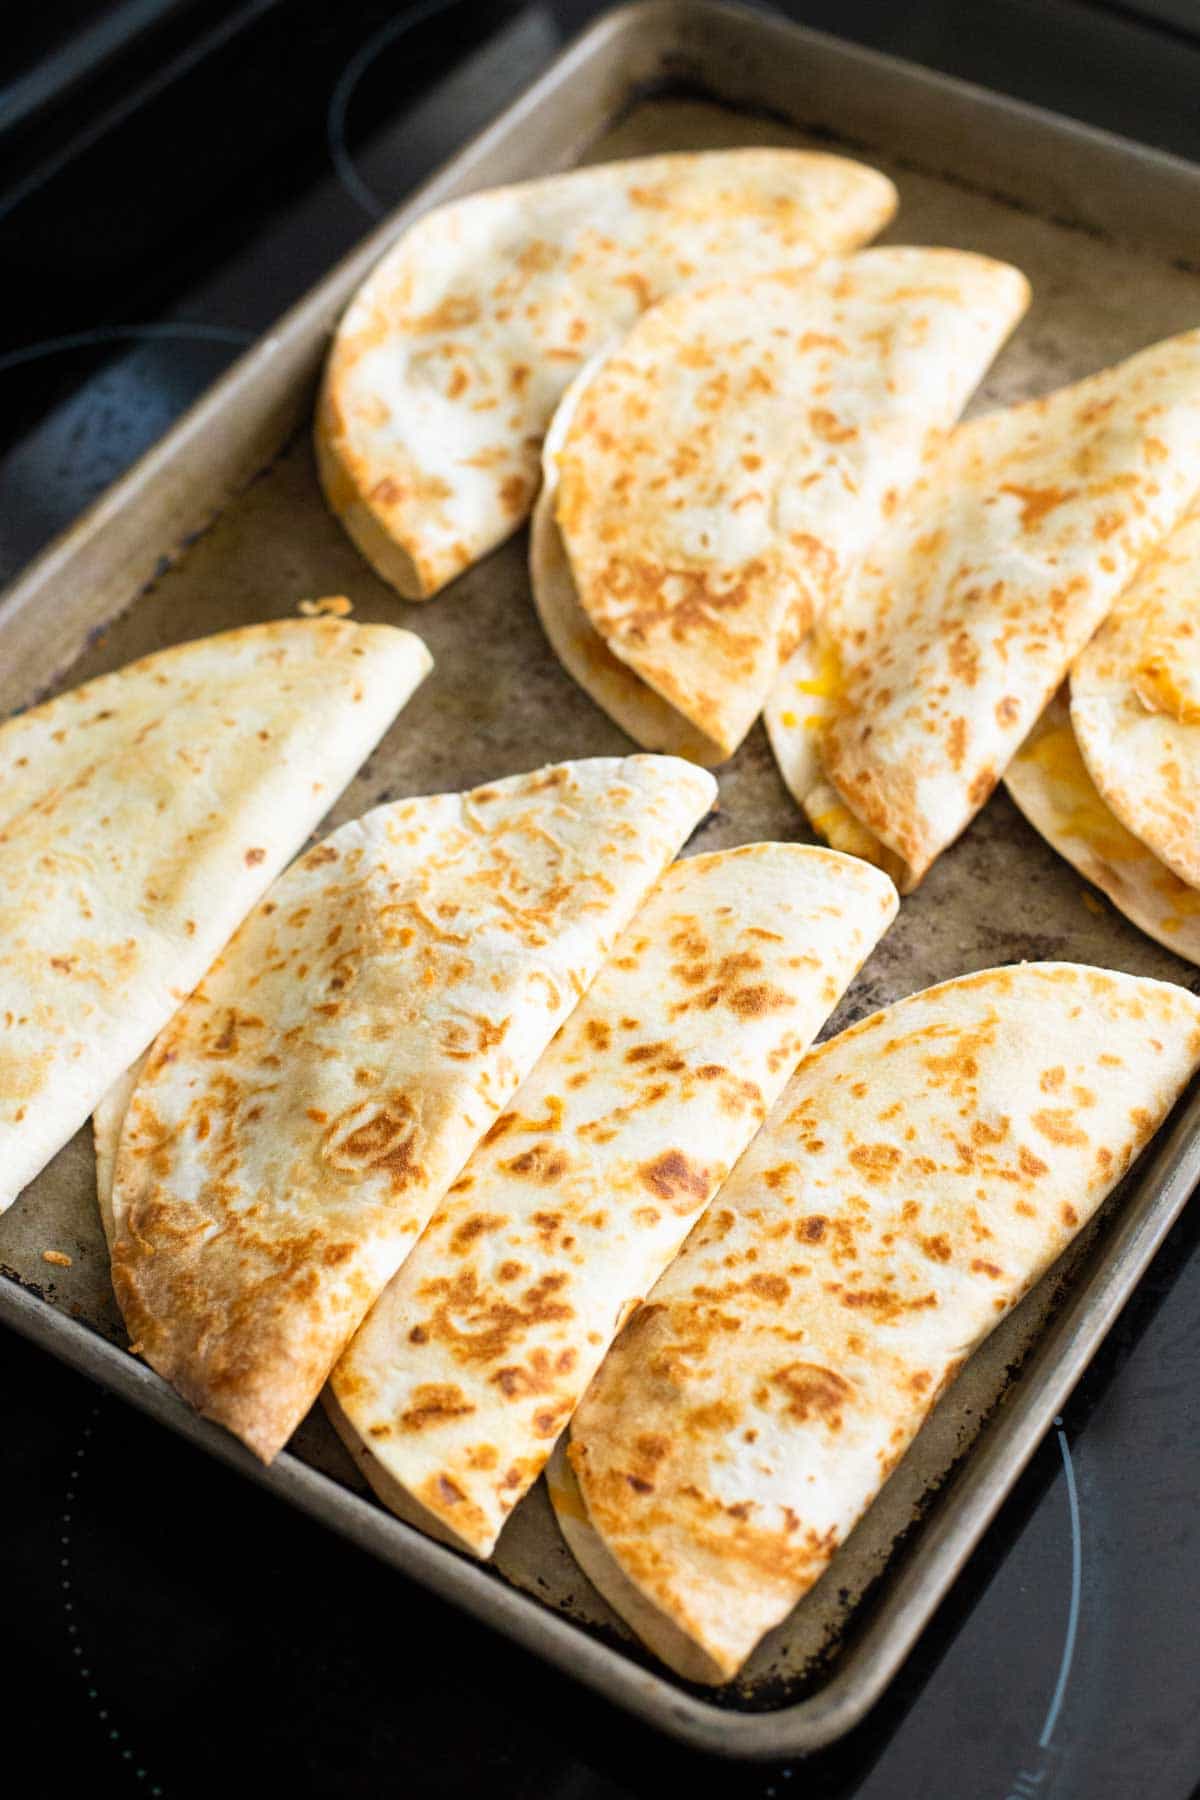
(118, 334)
(74, 1475)
(343, 93)
(1068, 1650)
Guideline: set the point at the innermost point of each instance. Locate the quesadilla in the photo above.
(303, 1114)
(1135, 704)
(455, 1388)
(141, 817)
(1051, 784)
(454, 353)
(997, 570)
(648, 718)
(920, 1172)
(107, 1121)
(716, 478)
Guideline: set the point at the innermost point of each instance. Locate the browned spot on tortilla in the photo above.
(876, 1161)
(489, 1326)
(751, 1002)
(542, 1373)
(981, 786)
(1057, 1124)
(1037, 502)
(452, 313)
(827, 426)
(464, 1235)
(963, 658)
(775, 1288)
(673, 1178)
(886, 1305)
(384, 1140)
(956, 739)
(254, 857)
(514, 494)
(543, 1163)
(432, 1403)
(811, 1391)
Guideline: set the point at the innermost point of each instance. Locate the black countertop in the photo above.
(179, 1632)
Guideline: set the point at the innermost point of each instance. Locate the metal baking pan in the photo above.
(222, 523)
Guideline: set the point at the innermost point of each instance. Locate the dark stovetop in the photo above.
(165, 194)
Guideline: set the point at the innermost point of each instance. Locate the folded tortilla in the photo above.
(648, 718)
(141, 817)
(921, 1171)
(107, 1121)
(454, 1390)
(1051, 784)
(454, 353)
(305, 1111)
(1004, 560)
(1135, 704)
(714, 480)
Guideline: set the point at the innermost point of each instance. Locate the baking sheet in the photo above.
(228, 512)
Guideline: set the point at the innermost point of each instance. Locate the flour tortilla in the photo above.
(141, 817)
(107, 1121)
(454, 353)
(720, 473)
(1135, 704)
(305, 1111)
(1005, 559)
(649, 719)
(920, 1172)
(798, 712)
(1050, 782)
(454, 1390)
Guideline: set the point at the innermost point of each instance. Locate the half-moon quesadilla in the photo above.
(919, 1173)
(716, 478)
(300, 1118)
(1135, 704)
(454, 353)
(454, 1390)
(1053, 787)
(648, 718)
(994, 575)
(141, 817)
